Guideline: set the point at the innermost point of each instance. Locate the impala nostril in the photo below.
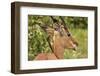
(75, 43)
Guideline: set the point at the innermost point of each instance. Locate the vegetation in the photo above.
(37, 42)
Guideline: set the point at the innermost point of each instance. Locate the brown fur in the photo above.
(60, 42)
(46, 56)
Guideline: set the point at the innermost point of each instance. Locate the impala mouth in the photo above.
(75, 47)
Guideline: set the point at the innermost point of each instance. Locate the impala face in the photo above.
(65, 39)
(61, 40)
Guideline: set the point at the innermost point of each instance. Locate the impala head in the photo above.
(67, 40)
(59, 32)
(62, 34)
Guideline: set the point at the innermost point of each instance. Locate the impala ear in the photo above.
(44, 27)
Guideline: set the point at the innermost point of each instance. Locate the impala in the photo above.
(60, 39)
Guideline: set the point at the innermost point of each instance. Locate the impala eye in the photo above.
(68, 34)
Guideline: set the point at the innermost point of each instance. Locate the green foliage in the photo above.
(76, 22)
(37, 42)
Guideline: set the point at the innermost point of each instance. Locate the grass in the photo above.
(82, 52)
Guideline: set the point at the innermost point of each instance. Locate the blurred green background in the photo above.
(37, 42)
